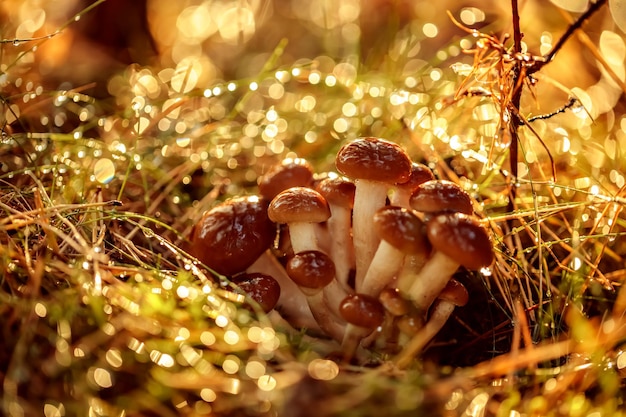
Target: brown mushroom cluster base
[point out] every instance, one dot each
(364, 256)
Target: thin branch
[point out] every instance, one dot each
(570, 103)
(568, 34)
(515, 103)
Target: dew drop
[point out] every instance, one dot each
(104, 171)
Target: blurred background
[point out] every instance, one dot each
(233, 39)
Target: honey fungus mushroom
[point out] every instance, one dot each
(453, 295)
(375, 165)
(401, 192)
(232, 235)
(436, 196)
(402, 235)
(261, 288)
(291, 172)
(364, 314)
(339, 193)
(457, 240)
(300, 208)
(312, 271)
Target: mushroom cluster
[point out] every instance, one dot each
(364, 256)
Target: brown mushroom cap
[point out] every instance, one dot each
(262, 288)
(337, 190)
(298, 205)
(455, 293)
(289, 173)
(362, 310)
(441, 196)
(401, 228)
(311, 269)
(231, 236)
(374, 159)
(420, 173)
(394, 302)
(461, 238)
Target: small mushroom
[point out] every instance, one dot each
(394, 302)
(292, 304)
(291, 172)
(261, 288)
(312, 271)
(436, 196)
(301, 209)
(374, 164)
(457, 239)
(364, 314)
(431, 198)
(396, 308)
(453, 295)
(401, 192)
(401, 233)
(339, 193)
(232, 235)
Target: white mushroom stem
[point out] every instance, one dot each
(431, 280)
(341, 248)
(352, 339)
(386, 263)
(400, 197)
(292, 302)
(369, 196)
(334, 294)
(440, 314)
(303, 236)
(324, 316)
(410, 268)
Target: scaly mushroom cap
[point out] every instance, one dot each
(231, 236)
(461, 238)
(289, 173)
(311, 269)
(374, 159)
(262, 288)
(401, 228)
(298, 205)
(455, 293)
(337, 190)
(420, 173)
(362, 310)
(437, 196)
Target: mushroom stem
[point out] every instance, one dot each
(341, 242)
(400, 198)
(303, 236)
(441, 312)
(352, 339)
(324, 317)
(412, 265)
(334, 294)
(431, 280)
(385, 264)
(369, 196)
